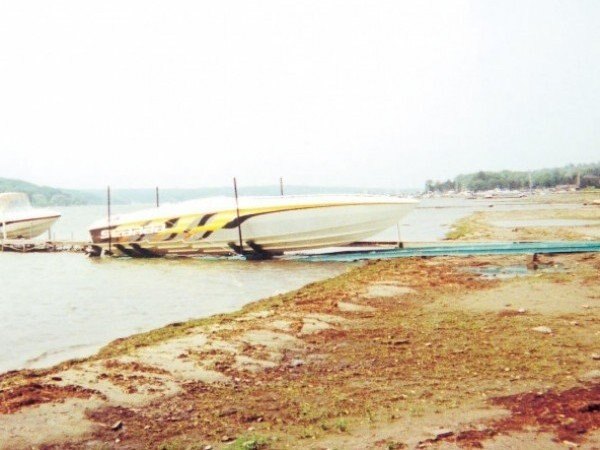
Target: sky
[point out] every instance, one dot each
(331, 93)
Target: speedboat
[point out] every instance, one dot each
(259, 226)
(19, 220)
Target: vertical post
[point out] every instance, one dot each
(157, 198)
(281, 186)
(237, 210)
(3, 234)
(400, 245)
(108, 220)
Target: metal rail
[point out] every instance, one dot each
(349, 254)
(496, 248)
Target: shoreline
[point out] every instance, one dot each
(367, 350)
(437, 352)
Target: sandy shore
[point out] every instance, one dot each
(571, 216)
(413, 353)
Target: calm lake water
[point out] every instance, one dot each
(57, 306)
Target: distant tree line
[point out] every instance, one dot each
(45, 196)
(49, 196)
(587, 175)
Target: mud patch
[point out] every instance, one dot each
(570, 416)
(378, 290)
(272, 340)
(541, 296)
(504, 272)
(353, 307)
(12, 400)
(46, 424)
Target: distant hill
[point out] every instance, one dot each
(170, 195)
(589, 175)
(48, 196)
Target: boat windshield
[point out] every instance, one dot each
(14, 201)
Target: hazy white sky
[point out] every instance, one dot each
(363, 93)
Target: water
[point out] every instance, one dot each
(500, 272)
(433, 217)
(514, 271)
(57, 306)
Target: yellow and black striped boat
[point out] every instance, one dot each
(261, 226)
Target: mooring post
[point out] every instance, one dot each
(157, 198)
(400, 245)
(237, 210)
(108, 220)
(281, 186)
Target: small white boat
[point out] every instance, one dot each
(19, 220)
(260, 226)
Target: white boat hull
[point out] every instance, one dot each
(18, 220)
(26, 228)
(283, 224)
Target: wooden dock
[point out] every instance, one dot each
(354, 252)
(37, 246)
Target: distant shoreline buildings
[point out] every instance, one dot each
(569, 177)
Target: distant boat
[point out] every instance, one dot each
(264, 226)
(19, 220)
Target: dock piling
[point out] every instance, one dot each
(237, 210)
(108, 220)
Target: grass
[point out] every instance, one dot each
(467, 228)
(583, 196)
(249, 442)
(180, 444)
(478, 225)
(245, 442)
(341, 425)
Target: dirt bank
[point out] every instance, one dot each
(554, 217)
(393, 354)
